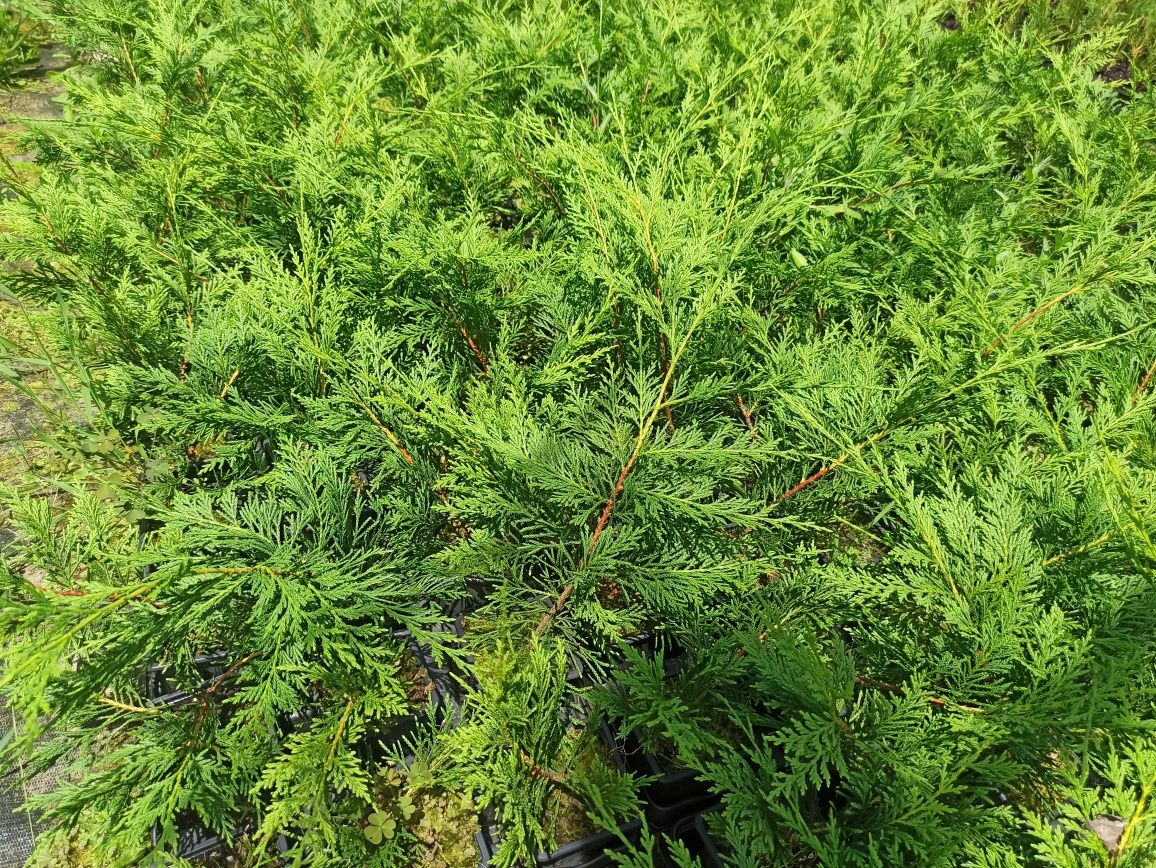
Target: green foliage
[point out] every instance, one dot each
(956, 723)
(519, 751)
(598, 319)
(20, 39)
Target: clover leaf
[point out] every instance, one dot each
(379, 827)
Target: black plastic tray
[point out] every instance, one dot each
(588, 852)
(196, 841)
(161, 689)
(694, 834)
(678, 792)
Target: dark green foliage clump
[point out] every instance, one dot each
(813, 337)
(20, 38)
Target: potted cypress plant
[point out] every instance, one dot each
(674, 791)
(547, 787)
(433, 693)
(589, 318)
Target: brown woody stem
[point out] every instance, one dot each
(814, 477)
(746, 415)
(1143, 383)
(1031, 316)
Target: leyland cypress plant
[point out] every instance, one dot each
(814, 339)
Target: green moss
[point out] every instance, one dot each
(438, 826)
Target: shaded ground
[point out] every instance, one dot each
(34, 97)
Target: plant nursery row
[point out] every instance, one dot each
(586, 433)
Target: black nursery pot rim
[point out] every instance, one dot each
(195, 840)
(693, 829)
(157, 676)
(586, 852)
(603, 840)
(677, 792)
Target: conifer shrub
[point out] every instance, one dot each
(814, 339)
(19, 41)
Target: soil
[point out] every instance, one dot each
(241, 854)
(418, 686)
(568, 820)
(566, 817)
(1119, 72)
(666, 752)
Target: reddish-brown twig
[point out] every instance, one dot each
(201, 82)
(746, 415)
(609, 507)
(559, 208)
(814, 477)
(553, 609)
(558, 780)
(204, 701)
(244, 661)
(834, 465)
(1143, 383)
(1043, 308)
(389, 434)
(341, 127)
(474, 347)
(643, 435)
(868, 681)
(539, 772)
(599, 529)
(464, 271)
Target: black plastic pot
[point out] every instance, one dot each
(693, 833)
(196, 841)
(588, 852)
(145, 528)
(648, 644)
(161, 689)
(193, 839)
(677, 793)
(478, 592)
(444, 697)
